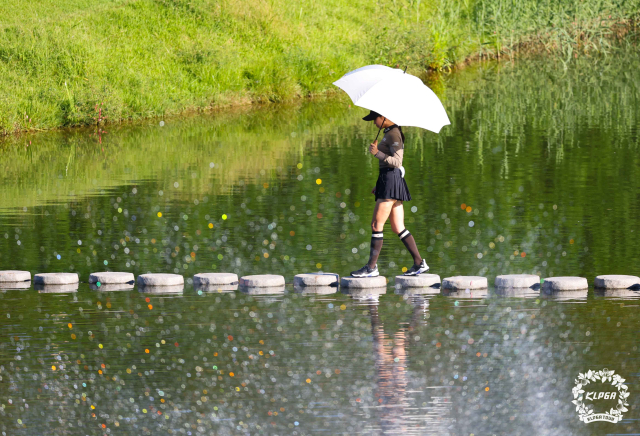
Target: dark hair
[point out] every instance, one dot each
(401, 134)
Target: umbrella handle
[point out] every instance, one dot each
(385, 119)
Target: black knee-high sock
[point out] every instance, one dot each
(410, 243)
(376, 246)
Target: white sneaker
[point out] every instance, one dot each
(365, 271)
(418, 269)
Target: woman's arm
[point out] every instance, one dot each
(396, 147)
(394, 161)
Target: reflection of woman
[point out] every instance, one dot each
(390, 191)
(391, 368)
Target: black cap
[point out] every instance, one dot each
(372, 116)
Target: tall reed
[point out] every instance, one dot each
(134, 59)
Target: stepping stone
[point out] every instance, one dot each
(111, 287)
(617, 282)
(465, 282)
(163, 289)
(466, 293)
(262, 281)
(55, 278)
(208, 279)
(56, 289)
(419, 281)
(363, 282)
(518, 281)
(160, 280)
(111, 277)
(262, 290)
(555, 284)
(315, 290)
(316, 279)
(14, 276)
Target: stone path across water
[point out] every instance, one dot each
(55, 278)
(465, 282)
(14, 276)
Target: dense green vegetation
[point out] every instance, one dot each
(75, 62)
(525, 136)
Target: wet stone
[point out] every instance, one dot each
(212, 279)
(363, 282)
(465, 282)
(555, 284)
(109, 277)
(617, 282)
(262, 281)
(55, 278)
(419, 281)
(518, 281)
(14, 276)
(316, 279)
(160, 280)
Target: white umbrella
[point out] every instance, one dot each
(400, 97)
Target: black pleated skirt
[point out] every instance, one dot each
(391, 185)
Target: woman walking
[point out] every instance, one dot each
(390, 192)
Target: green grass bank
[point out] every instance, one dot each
(79, 62)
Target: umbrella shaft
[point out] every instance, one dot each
(385, 119)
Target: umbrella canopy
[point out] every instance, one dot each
(400, 97)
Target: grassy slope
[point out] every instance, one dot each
(61, 61)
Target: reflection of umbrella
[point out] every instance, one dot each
(398, 96)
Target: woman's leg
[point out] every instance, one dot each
(380, 215)
(397, 225)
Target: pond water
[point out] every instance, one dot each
(536, 174)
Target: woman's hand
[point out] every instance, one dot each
(373, 148)
(373, 191)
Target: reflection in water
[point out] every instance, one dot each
(397, 411)
(111, 287)
(268, 290)
(53, 289)
(317, 290)
(517, 292)
(466, 293)
(565, 295)
(283, 190)
(216, 288)
(15, 285)
(626, 294)
(159, 290)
